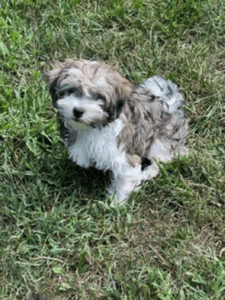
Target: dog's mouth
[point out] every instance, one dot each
(78, 124)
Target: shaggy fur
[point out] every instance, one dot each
(111, 124)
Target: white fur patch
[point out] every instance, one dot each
(99, 147)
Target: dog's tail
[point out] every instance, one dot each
(167, 91)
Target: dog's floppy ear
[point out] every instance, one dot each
(122, 90)
(116, 104)
(52, 77)
(54, 73)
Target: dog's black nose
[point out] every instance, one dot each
(78, 112)
(145, 162)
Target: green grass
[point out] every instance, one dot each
(59, 237)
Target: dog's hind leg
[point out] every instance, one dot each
(122, 185)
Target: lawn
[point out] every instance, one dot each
(59, 236)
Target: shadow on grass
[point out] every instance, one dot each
(65, 177)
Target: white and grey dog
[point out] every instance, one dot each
(111, 124)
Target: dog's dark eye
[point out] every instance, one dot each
(99, 97)
(76, 91)
(72, 91)
(61, 94)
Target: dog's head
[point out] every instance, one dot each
(88, 92)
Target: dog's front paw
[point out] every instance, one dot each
(122, 187)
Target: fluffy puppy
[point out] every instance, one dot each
(112, 124)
